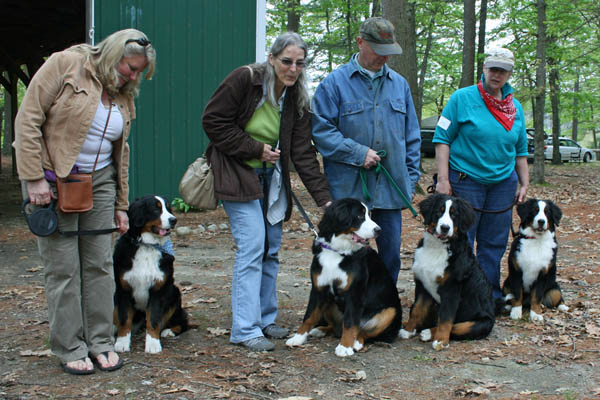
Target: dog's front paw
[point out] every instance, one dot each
(404, 334)
(296, 340)
(535, 317)
(152, 345)
(343, 351)
(439, 346)
(316, 332)
(516, 312)
(123, 343)
(357, 346)
(425, 335)
(167, 333)
(563, 308)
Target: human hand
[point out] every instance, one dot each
(39, 192)
(443, 186)
(122, 220)
(371, 159)
(270, 155)
(522, 194)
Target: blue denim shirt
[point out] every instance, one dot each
(352, 113)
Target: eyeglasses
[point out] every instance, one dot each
(288, 63)
(141, 41)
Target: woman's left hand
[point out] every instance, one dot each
(122, 221)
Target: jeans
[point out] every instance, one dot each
(253, 287)
(389, 239)
(490, 230)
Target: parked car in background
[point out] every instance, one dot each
(427, 146)
(530, 144)
(569, 149)
(427, 130)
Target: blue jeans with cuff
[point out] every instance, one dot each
(253, 287)
(490, 230)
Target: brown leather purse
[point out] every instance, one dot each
(75, 192)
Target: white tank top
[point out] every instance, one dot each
(87, 156)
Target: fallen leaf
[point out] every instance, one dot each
(217, 331)
(33, 353)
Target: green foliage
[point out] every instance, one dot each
(330, 28)
(180, 206)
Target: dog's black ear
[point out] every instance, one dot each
(466, 214)
(426, 207)
(524, 208)
(337, 218)
(555, 211)
(137, 211)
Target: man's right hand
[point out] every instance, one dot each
(39, 192)
(371, 159)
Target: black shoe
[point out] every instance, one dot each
(500, 306)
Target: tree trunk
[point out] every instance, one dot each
(293, 14)
(468, 59)
(376, 9)
(593, 125)
(576, 107)
(423, 69)
(481, 39)
(540, 93)
(349, 38)
(328, 30)
(401, 13)
(553, 81)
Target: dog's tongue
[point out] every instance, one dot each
(162, 232)
(358, 239)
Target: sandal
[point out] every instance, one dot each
(115, 367)
(75, 371)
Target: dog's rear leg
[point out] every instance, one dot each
(553, 299)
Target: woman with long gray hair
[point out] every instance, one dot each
(75, 118)
(258, 121)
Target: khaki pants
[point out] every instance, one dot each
(79, 277)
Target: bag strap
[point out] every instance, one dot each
(101, 140)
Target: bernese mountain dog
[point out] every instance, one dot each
(531, 279)
(352, 294)
(453, 298)
(145, 289)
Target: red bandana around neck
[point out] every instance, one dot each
(503, 110)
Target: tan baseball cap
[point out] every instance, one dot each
(499, 57)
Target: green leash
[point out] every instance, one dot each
(378, 169)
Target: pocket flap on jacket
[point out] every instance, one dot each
(352, 108)
(398, 105)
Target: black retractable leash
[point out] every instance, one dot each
(44, 222)
(301, 209)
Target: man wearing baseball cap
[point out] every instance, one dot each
(363, 115)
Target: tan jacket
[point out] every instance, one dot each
(60, 103)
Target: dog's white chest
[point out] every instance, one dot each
(144, 274)
(331, 275)
(430, 263)
(535, 255)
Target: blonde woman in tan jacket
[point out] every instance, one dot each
(59, 130)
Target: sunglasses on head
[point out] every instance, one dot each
(288, 63)
(141, 41)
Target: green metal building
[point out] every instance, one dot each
(198, 42)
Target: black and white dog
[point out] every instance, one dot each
(145, 289)
(453, 298)
(531, 279)
(351, 288)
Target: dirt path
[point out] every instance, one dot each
(554, 360)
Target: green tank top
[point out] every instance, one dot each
(264, 127)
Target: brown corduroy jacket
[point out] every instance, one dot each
(225, 116)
